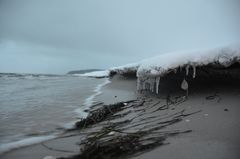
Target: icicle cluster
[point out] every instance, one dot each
(150, 80)
(148, 83)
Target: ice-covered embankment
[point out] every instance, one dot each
(184, 67)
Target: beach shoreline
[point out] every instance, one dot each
(39, 151)
(36, 110)
(213, 126)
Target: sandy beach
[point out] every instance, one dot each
(205, 125)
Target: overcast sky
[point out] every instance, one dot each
(55, 36)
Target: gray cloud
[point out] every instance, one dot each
(55, 36)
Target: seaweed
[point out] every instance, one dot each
(100, 114)
(123, 138)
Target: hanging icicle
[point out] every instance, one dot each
(157, 84)
(194, 71)
(187, 70)
(144, 84)
(152, 83)
(138, 84)
(180, 68)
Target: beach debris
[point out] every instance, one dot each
(187, 120)
(211, 97)
(225, 109)
(111, 135)
(205, 114)
(214, 96)
(100, 114)
(86, 110)
(123, 145)
(55, 149)
(96, 104)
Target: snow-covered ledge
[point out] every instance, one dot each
(150, 71)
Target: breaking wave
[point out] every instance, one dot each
(16, 76)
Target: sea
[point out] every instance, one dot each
(36, 107)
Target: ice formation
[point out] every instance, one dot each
(149, 71)
(194, 71)
(184, 85)
(187, 70)
(157, 83)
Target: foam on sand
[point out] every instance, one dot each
(90, 100)
(25, 142)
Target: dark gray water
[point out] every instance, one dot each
(42, 105)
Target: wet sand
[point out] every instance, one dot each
(214, 124)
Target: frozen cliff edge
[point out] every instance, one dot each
(150, 71)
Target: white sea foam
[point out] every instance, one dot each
(25, 142)
(27, 77)
(90, 100)
(97, 91)
(68, 125)
(99, 74)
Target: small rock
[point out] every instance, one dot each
(225, 109)
(187, 120)
(205, 114)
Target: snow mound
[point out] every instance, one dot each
(149, 71)
(96, 74)
(125, 69)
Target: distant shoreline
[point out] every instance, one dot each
(83, 71)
